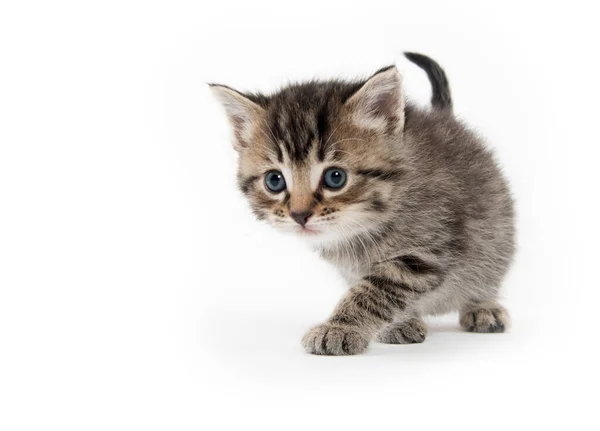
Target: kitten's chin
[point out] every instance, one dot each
(318, 238)
(313, 235)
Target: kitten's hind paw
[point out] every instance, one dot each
(327, 339)
(411, 331)
(484, 318)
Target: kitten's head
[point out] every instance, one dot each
(320, 159)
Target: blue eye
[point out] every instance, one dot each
(274, 181)
(334, 178)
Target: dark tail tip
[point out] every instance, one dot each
(440, 97)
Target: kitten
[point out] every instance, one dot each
(406, 203)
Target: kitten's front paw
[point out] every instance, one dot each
(408, 332)
(488, 318)
(327, 339)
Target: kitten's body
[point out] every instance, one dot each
(452, 210)
(424, 224)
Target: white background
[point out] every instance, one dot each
(137, 291)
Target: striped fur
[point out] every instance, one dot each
(424, 223)
(440, 94)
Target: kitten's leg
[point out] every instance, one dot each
(373, 303)
(484, 317)
(409, 331)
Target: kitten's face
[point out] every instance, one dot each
(320, 160)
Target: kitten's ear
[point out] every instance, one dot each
(242, 112)
(379, 104)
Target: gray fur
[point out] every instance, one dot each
(435, 231)
(440, 92)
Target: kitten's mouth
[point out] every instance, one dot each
(307, 230)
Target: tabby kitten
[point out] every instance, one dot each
(406, 203)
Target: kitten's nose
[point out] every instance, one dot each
(301, 217)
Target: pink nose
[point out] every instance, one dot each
(301, 217)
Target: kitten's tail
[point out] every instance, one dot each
(440, 97)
